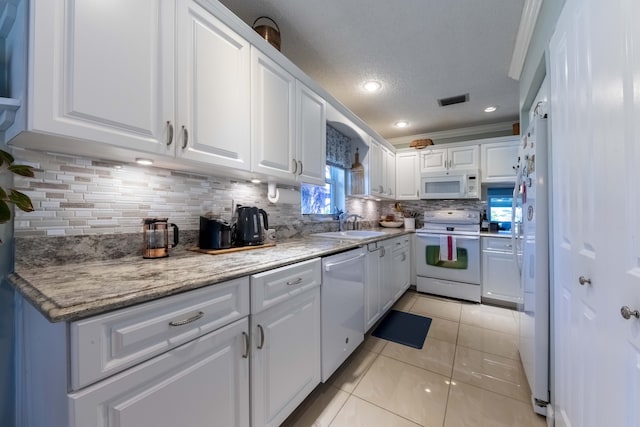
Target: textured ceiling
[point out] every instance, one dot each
(420, 50)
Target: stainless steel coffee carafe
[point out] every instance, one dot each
(155, 237)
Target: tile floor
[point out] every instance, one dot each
(468, 374)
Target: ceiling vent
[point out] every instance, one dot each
(458, 99)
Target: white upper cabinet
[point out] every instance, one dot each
(273, 117)
(382, 170)
(311, 135)
(100, 74)
(213, 90)
(288, 124)
(498, 159)
(407, 175)
(448, 159)
(390, 174)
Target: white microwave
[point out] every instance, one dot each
(462, 184)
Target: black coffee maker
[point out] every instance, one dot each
(248, 227)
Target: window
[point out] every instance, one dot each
(499, 205)
(324, 199)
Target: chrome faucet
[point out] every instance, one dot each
(355, 223)
(342, 217)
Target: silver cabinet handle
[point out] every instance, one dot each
(300, 164)
(295, 166)
(626, 312)
(417, 193)
(583, 280)
(185, 137)
(169, 133)
(404, 257)
(261, 337)
(295, 282)
(187, 320)
(245, 341)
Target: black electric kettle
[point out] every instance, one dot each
(248, 227)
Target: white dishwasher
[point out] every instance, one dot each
(342, 308)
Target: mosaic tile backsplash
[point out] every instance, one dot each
(78, 196)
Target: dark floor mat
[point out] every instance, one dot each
(403, 328)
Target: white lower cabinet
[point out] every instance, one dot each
(386, 276)
(285, 352)
(500, 273)
(204, 382)
(400, 260)
(179, 360)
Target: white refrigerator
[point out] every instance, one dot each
(531, 192)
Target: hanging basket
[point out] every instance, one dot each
(267, 32)
(419, 144)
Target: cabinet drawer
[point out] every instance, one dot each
(109, 343)
(400, 242)
(274, 286)
(502, 244)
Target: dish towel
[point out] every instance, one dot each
(448, 249)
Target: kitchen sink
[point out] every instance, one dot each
(350, 234)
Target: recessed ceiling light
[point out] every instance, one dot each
(490, 109)
(401, 124)
(255, 180)
(372, 86)
(145, 162)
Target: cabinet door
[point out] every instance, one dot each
(372, 307)
(99, 73)
(433, 160)
(285, 358)
(464, 157)
(376, 184)
(500, 277)
(387, 291)
(407, 176)
(400, 263)
(311, 135)
(272, 120)
(213, 81)
(390, 175)
(202, 383)
(498, 159)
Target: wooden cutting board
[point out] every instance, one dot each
(230, 250)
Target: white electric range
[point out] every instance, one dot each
(448, 254)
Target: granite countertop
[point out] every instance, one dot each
(75, 291)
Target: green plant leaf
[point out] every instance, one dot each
(3, 195)
(21, 200)
(22, 170)
(5, 157)
(5, 212)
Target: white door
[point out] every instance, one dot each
(594, 86)
(202, 383)
(433, 160)
(213, 81)
(285, 357)
(464, 157)
(498, 159)
(91, 82)
(372, 283)
(311, 135)
(616, 92)
(390, 175)
(407, 176)
(375, 158)
(272, 118)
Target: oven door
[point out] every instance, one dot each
(465, 269)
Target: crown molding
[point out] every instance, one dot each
(455, 133)
(523, 39)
